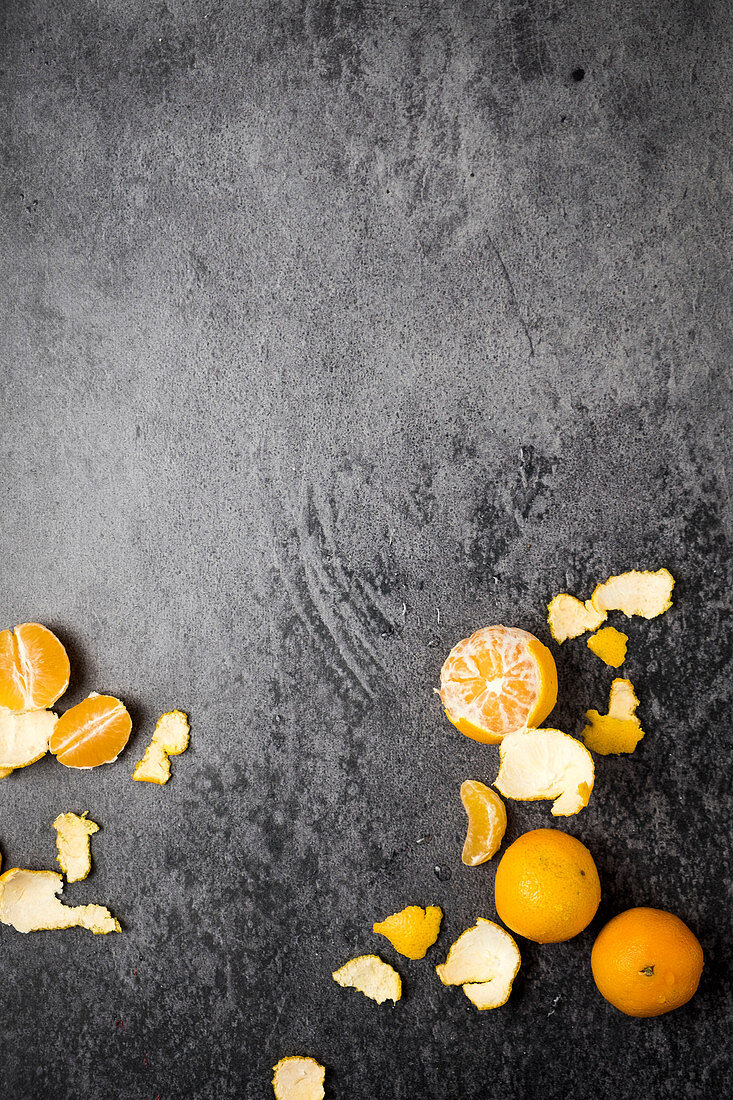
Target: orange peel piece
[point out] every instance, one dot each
(610, 645)
(499, 679)
(298, 1078)
(411, 931)
(568, 617)
(371, 976)
(486, 822)
(5, 772)
(24, 736)
(635, 593)
(29, 902)
(73, 843)
(485, 961)
(170, 738)
(34, 667)
(546, 763)
(619, 730)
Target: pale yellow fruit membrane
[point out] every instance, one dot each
(635, 593)
(619, 730)
(568, 617)
(73, 835)
(484, 960)
(371, 976)
(24, 736)
(610, 645)
(298, 1079)
(29, 903)
(170, 738)
(411, 931)
(546, 764)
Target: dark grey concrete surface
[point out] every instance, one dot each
(332, 331)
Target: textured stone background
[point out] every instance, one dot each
(331, 332)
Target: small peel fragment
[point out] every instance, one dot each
(619, 730)
(485, 961)
(371, 976)
(610, 645)
(5, 772)
(411, 931)
(298, 1078)
(546, 763)
(568, 617)
(24, 736)
(29, 903)
(170, 738)
(73, 835)
(635, 593)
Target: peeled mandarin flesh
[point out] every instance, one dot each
(34, 668)
(93, 732)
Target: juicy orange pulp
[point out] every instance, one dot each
(497, 681)
(93, 732)
(486, 822)
(34, 668)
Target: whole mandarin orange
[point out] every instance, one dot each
(547, 887)
(646, 962)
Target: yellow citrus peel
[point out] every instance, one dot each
(546, 763)
(619, 730)
(569, 617)
(29, 903)
(635, 593)
(170, 738)
(486, 822)
(24, 736)
(484, 960)
(411, 931)
(610, 645)
(73, 835)
(298, 1079)
(371, 976)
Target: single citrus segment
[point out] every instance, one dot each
(411, 931)
(619, 730)
(298, 1079)
(484, 960)
(34, 668)
(635, 593)
(371, 976)
(646, 962)
(546, 763)
(547, 887)
(610, 645)
(170, 738)
(24, 736)
(93, 732)
(568, 617)
(486, 822)
(73, 835)
(29, 903)
(496, 681)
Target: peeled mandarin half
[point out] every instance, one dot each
(486, 822)
(546, 763)
(91, 733)
(298, 1079)
(498, 680)
(34, 668)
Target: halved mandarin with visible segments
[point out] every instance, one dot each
(34, 668)
(498, 680)
(93, 732)
(486, 822)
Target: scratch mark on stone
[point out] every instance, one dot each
(513, 296)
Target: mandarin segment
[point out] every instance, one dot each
(610, 645)
(298, 1078)
(411, 931)
(619, 730)
(485, 961)
(635, 593)
(568, 617)
(547, 887)
(93, 732)
(371, 976)
(29, 903)
(546, 764)
(646, 962)
(486, 822)
(34, 668)
(496, 681)
(24, 736)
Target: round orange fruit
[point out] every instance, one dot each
(497, 681)
(547, 887)
(646, 962)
